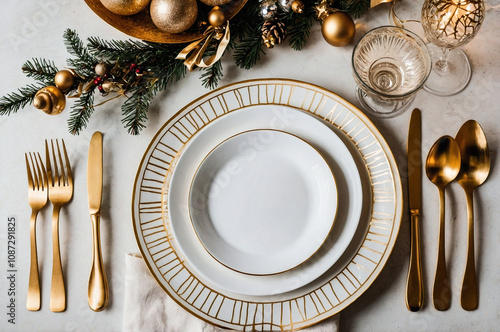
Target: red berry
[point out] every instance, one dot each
(101, 89)
(138, 70)
(132, 66)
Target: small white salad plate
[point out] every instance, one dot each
(263, 201)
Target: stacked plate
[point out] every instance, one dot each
(267, 205)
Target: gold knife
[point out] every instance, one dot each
(415, 283)
(98, 292)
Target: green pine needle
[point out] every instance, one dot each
(14, 101)
(41, 70)
(211, 76)
(135, 108)
(81, 111)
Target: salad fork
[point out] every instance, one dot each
(37, 198)
(60, 193)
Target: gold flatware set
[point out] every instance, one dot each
(464, 159)
(54, 182)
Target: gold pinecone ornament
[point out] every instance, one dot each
(273, 32)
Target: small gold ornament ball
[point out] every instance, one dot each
(51, 100)
(298, 7)
(174, 16)
(101, 68)
(125, 7)
(216, 17)
(64, 79)
(338, 29)
(215, 2)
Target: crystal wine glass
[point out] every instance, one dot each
(449, 24)
(390, 65)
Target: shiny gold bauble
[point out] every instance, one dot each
(174, 16)
(51, 100)
(215, 2)
(338, 29)
(125, 7)
(64, 79)
(216, 17)
(298, 7)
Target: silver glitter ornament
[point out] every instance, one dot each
(285, 5)
(268, 9)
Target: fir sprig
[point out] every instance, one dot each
(83, 62)
(81, 111)
(211, 76)
(40, 70)
(14, 101)
(135, 109)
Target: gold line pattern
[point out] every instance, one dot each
(158, 245)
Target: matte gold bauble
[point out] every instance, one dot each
(215, 2)
(338, 29)
(174, 16)
(51, 100)
(102, 68)
(64, 79)
(216, 17)
(125, 7)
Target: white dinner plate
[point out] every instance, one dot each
(327, 295)
(263, 201)
(316, 133)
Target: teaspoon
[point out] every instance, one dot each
(442, 167)
(474, 170)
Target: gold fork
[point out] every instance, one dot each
(60, 192)
(37, 198)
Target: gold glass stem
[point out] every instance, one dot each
(415, 283)
(33, 302)
(57, 290)
(469, 298)
(442, 292)
(98, 292)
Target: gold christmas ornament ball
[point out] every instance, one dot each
(338, 29)
(298, 7)
(215, 2)
(64, 79)
(174, 16)
(51, 100)
(125, 7)
(216, 17)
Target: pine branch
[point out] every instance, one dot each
(169, 73)
(355, 8)
(41, 70)
(300, 30)
(135, 108)
(212, 75)
(247, 51)
(14, 101)
(81, 112)
(84, 62)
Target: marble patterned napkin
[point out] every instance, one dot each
(148, 308)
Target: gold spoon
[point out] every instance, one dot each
(442, 167)
(474, 170)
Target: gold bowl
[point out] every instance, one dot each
(141, 26)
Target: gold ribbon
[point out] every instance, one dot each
(196, 49)
(392, 13)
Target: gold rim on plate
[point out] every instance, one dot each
(141, 25)
(326, 235)
(297, 309)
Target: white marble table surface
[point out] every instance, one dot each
(34, 29)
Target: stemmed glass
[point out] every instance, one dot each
(449, 24)
(390, 65)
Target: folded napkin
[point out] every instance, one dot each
(148, 308)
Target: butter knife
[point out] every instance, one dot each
(414, 283)
(98, 292)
